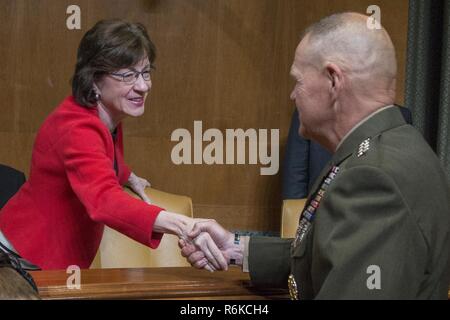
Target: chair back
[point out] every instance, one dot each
(289, 216)
(118, 251)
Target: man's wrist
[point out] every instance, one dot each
(244, 245)
(237, 256)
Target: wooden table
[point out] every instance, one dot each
(153, 283)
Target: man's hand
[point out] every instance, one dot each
(201, 235)
(181, 226)
(138, 185)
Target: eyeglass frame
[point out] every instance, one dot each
(135, 73)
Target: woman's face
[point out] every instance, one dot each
(121, 98)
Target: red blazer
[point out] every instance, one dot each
(57, 217)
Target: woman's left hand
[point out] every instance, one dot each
(138, 185)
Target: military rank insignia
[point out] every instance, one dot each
(308, 214)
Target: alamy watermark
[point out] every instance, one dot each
(73, 22)
(221, 147)
(74, 280)
(374, 21)
(374, 280)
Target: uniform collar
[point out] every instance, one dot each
(381, 120)
(360, 123)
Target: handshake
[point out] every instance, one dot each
(208, 245)
(203, 242)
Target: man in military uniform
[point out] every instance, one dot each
(377, 222)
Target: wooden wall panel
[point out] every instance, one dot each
(224, 62)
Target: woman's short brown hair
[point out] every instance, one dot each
(109, 46)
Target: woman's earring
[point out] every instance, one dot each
(97, 96)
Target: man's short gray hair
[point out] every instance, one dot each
(346, 40)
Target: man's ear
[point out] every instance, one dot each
(335, 75)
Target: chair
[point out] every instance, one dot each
(118, 251)
(10, 182)
(289, 217)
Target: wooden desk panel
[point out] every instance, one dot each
(153, 283)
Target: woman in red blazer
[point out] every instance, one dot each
(77, 169)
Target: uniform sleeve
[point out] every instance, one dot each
(91, 175)
(269, 261)
(366, 243)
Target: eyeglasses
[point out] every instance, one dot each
(131, 77)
